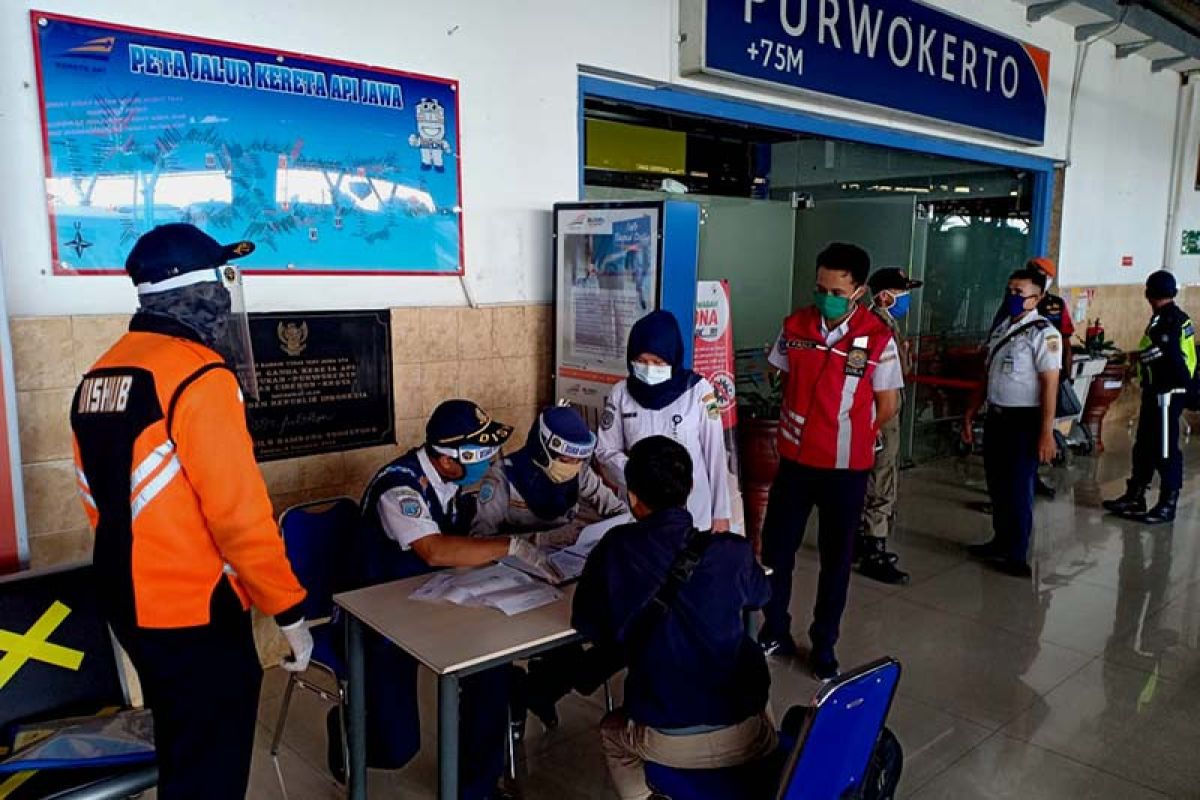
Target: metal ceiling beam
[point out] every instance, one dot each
(1085, 32)
(1129, 48)
(1148, 24)
(1159, 64)
(1039, 10)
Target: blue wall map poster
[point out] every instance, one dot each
(897, 54)
(328, 167)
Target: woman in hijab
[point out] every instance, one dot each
(661, 397)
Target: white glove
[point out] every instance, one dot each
(529, 554)
(301, 642)
(563, 536)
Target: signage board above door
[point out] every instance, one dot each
(901, 55)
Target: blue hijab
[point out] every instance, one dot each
(658, 333)
(546, 499)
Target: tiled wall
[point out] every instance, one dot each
(498, 356)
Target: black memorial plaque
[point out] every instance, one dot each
(324, 382)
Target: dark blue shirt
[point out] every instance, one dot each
(697, 666)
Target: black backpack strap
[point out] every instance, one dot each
(680, 572)
(1038, 324)
(183, 385)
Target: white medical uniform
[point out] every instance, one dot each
(693, 420)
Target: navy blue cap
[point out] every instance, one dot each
(565, 433)
(177, 248)
(1161, 285)
(455, 423)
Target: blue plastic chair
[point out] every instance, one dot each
(317, 539)
(834, 739)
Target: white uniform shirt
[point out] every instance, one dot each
(500, 508)
(1013, 366)
(405, 514)
(693, 420)
(888, 375)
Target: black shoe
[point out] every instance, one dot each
(988, 551)
(333, 750)
(1132, 503)
(1164, 509)
(1043, 489)
(881, 566)
(1013, 567)
(782, 646)
(823, 663)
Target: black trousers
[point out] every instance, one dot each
(1010, 462)
(839, 496)
(1147, 449)
(201, 685)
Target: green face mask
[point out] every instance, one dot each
(831, 306)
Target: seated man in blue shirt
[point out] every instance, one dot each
(696, 692)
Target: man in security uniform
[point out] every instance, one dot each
(1023, 363)
(1166, 364)
(410, 527)
(890, 299)
(842, 382)
(185, 536)
(542, 486)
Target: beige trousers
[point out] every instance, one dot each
(879, 513)
(628, 745)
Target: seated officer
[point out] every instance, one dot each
(542, 485)
(671, 599)
(409, 516)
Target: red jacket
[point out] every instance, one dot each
(828, 417)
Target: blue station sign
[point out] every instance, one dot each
(901, 55)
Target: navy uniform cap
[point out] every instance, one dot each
(892, 279)
(455, 423)
(1161, 285)
(177, 248)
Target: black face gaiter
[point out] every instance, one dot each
(203, 307)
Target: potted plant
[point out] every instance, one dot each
(760, 398)
(1106, 387)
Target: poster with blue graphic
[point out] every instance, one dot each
(329, 167)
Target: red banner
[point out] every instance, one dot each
(714, 345)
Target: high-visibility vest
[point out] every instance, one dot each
(828, 415)
(165, 468)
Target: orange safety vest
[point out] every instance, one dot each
(165, 467)
(828, 416)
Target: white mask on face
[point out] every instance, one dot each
(651, 374)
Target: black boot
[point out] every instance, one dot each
(1043, 489)
(1131, 503)
(876, 563)
(1164, 509)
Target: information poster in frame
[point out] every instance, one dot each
(613, 264)
(329, 167)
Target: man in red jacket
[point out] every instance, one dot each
(842, 381)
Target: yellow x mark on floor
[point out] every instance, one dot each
(20, 648)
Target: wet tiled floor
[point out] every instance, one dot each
(1083, 682)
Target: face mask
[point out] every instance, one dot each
(899, 308)
(562, 471)
(1015, 305)
(650, 374)
(472, 473)
(831, 306)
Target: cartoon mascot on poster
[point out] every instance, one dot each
(430, 137)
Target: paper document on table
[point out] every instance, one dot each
(568, 563)
(498, 586)
(590, 536)
(522, 598)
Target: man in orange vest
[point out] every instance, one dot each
(186, 540)
(842, 381)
